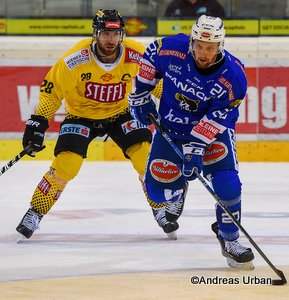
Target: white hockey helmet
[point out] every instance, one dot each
(208, 29)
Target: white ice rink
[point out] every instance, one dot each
(102, 225)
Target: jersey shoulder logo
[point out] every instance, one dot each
(169, 52)
(132, 56)
(80, 57)
(229, 87)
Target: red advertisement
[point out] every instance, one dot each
(265, 109)
(264, 112)
(20, 88)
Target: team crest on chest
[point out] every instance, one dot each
(187, 103)
(107, 77)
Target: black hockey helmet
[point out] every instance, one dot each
(107, 19)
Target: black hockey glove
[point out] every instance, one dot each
(34, 134)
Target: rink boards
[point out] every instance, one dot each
(263, 126)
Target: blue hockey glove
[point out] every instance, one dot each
(34, 134)
(193, 159)
(141, 105)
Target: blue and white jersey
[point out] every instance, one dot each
(193, 104)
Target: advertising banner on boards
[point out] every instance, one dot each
(264, 112)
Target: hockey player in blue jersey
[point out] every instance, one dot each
(203, 86)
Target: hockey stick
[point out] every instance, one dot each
(282, 279)
(14, 160)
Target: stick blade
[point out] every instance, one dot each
(278, 282)
(281, 281)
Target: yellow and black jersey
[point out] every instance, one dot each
(91, 89)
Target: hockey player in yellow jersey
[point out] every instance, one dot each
(94, 79)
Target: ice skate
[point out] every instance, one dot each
(29, 223)
(238, 256)
(169, 228)
(175, 208)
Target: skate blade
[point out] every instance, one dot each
(241, 266)
(20, 238)
(172, 235)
